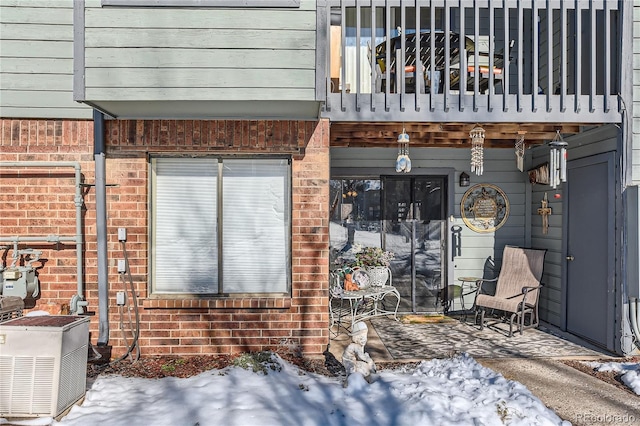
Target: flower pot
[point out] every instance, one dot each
(379, 275)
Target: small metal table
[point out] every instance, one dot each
(472, 286)
(360, 305)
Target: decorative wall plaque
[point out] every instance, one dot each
(484, 208)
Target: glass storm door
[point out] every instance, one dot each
(413, 227)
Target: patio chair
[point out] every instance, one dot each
(517, 289)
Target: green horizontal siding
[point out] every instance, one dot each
(81, 112)
(39, 4)
(35, 49)
(172, 58)
(36, 15)
(195, 39)
(240, 19)
(37, 65)
(37, 32)
(40, 82)
(202, 94)
(197, 78)
(223, 54)
(36, 60)
(41, 104)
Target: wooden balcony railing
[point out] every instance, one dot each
(472, 59)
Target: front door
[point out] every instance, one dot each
(590, 190)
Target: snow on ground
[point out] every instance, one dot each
(454, 391)
(630, 372)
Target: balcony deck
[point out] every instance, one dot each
(557, 69)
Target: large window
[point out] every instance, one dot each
(220, 226)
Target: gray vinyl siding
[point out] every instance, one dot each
(500, 170)
(592, 142)
(635, 153)
(182, 54)
(36, 60)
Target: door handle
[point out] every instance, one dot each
(570, 258)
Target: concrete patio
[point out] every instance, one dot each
(533, 359)
(391, 340)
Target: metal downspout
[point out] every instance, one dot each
(101, 227)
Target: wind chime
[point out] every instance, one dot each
(520, 150)
(477, 145)
(557, 161)
(403, 162)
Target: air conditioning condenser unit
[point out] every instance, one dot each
(43, 364)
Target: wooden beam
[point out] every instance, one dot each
(451, 135)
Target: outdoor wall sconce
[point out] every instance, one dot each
(464, 179)
(477, 145)
(403, 162)
(557, 160)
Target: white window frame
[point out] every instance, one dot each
(170, 272)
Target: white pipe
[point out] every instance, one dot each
(77, 302)
(633, 302)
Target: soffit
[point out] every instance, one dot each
(444, 135)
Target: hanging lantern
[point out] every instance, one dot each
(557, 160)
(403, 162)
(464, 179)
(477, 145)
(519, 148)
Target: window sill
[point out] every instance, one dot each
(226, 303)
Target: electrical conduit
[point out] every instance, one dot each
(633, 302)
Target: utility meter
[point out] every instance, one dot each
(21, 280)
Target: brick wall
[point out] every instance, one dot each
(39, 201)
(42, 201)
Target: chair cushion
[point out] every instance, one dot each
(503, 304)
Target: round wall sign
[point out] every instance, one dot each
(484, 208)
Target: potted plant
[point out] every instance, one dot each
(375, 261)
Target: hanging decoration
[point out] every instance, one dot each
(403, 162)
(477, 145)
(545, 211)
(520, 150)
(557, 160)
(350, 190)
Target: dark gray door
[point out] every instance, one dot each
(590, 193)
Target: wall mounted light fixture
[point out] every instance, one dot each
(477, 145)
(464, 179)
